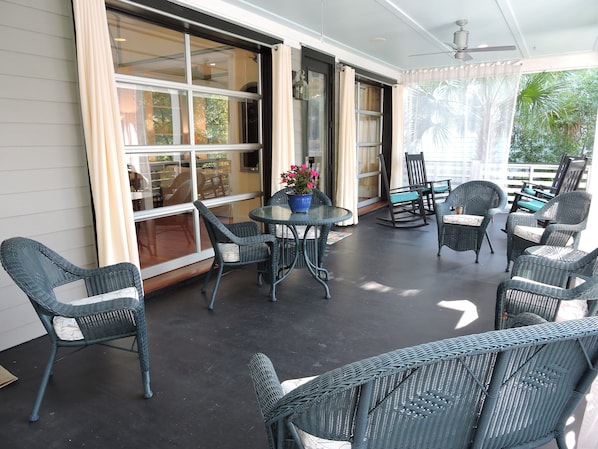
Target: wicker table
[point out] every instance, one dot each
(305, 246)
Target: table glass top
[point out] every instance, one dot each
(316, 215)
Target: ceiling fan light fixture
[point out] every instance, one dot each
(460, 38)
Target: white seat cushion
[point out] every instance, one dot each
(463, 219)
(531, 233)
(230, 252)
(284, 232)
(68, 329)
(310, 441)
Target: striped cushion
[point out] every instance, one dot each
(230, 252)
(284, 232)
(310, 441)
(68, 329)
(531, 233)
(463, 219)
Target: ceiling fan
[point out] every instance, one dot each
(460, 44)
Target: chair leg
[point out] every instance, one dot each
(44, 383)
(489, 243)
(206, 280)
(218, 277)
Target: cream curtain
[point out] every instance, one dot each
(396, 177)
(115, 228)
(462, 118)
(283, 142)
(346, 167)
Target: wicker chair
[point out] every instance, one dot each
(568, 176)
(558, 223)
(544, 286)
(405, 204)
(480, 201)
(113, 308)
(433, 190)
(235, 245)
(283, 234)
(505, 389)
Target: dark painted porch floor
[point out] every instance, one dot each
(386, 288)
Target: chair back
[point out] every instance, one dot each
(477, 197)
(566, 208)
(281, 197)
(21, 257)
(570, 177)
(182, 194)
(416, 169)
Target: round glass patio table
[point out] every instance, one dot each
(301, 241)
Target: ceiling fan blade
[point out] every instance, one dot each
(498, 48)
(436, 53)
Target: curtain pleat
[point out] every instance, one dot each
(115, 228)
(346, 167)
(396, 178)
(283, 142)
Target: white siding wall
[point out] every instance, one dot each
(44, 187)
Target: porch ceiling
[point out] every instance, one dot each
(392, 31)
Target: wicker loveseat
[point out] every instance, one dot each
(500, 389)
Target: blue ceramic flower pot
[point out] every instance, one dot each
(299, 203)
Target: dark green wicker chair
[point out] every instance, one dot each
(558, 223)
(510, 388)
(480, 201)
(235, 245)
(543, 285)
(113, 308)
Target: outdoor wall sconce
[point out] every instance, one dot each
(300, 87)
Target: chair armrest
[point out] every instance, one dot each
(520, 219)
(265, 382)
(98, 308)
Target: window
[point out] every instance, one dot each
(190, 114)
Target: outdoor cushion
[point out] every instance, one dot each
(67, 328)
(405, 196)
(532, 205)
(463, 219)
(531, 233)
(283, 231)
(230, 252)
(310, 441)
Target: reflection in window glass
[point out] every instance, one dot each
(223, 66)
(143, 49)
(150, 116)
(370, 98)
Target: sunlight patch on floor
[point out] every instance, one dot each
(375, 286)
(469, 309)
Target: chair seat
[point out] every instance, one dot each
(533, 205)
(533, 234)
(231, 252)
(284, 232)
(310, 441)
(463, 219)
(405, 196)
(67, 329)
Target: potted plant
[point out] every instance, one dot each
(302, 180)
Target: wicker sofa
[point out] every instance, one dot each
(500, 389)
